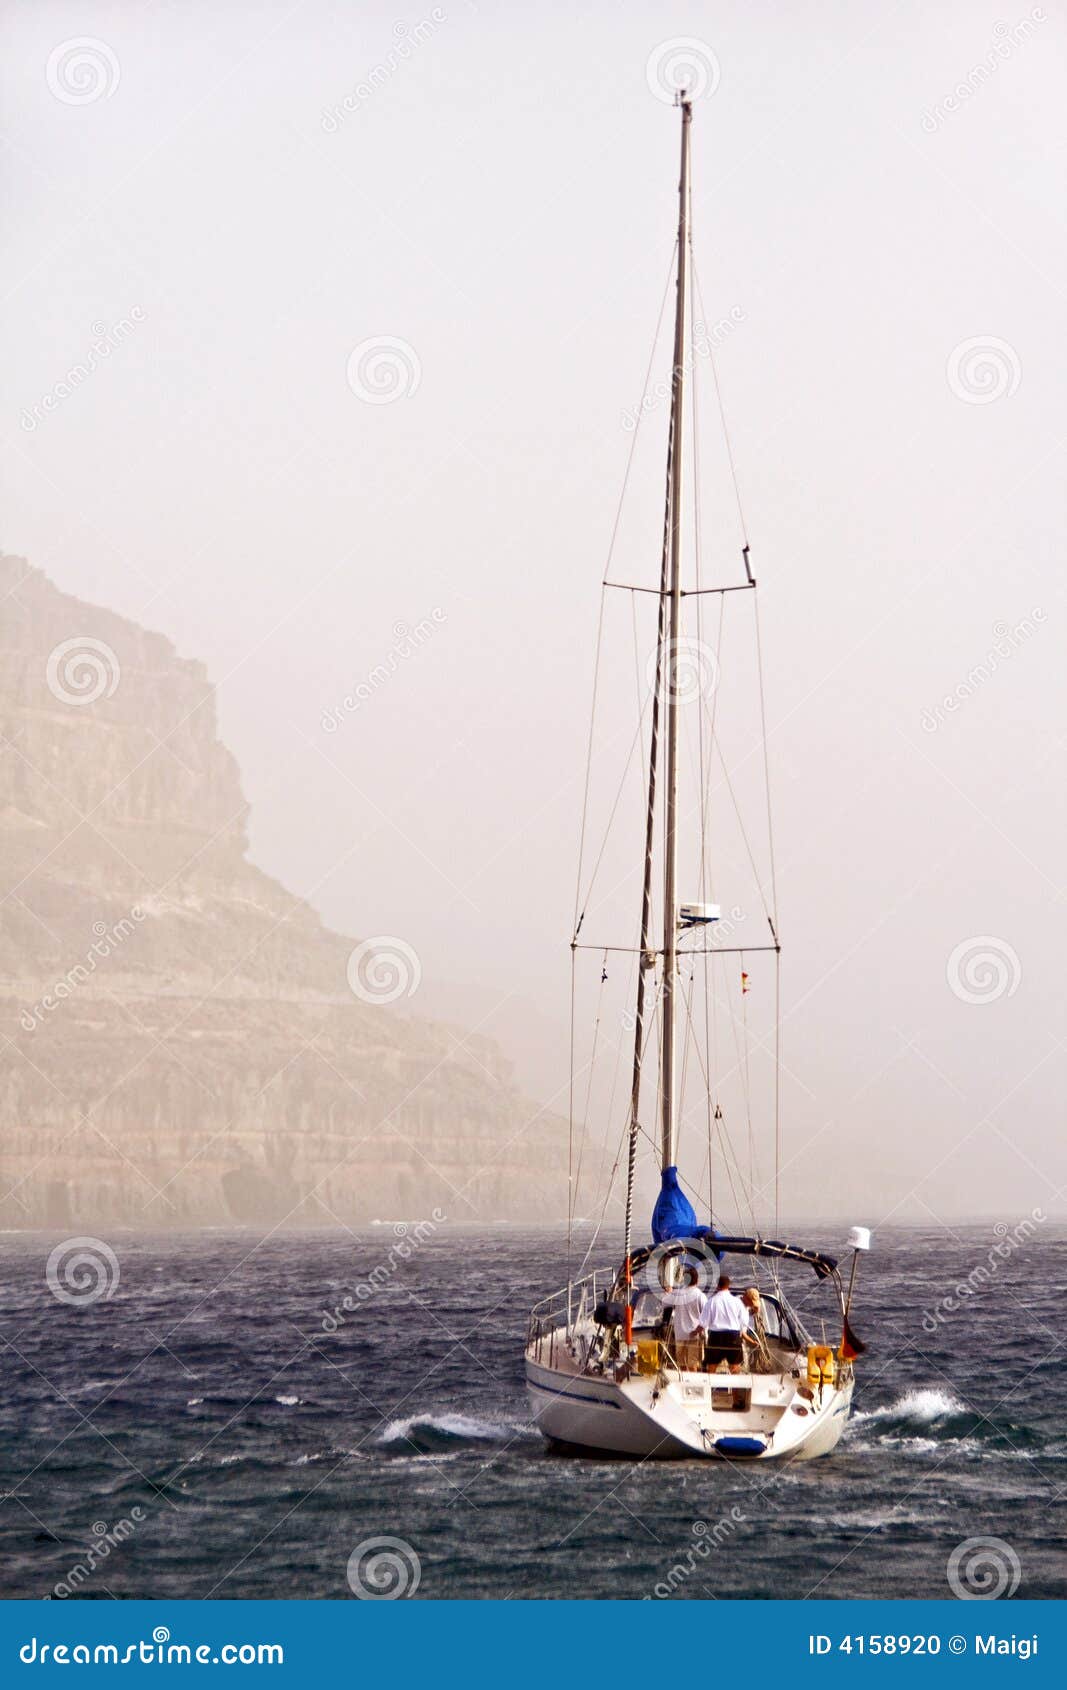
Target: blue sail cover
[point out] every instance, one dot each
(674, 1215)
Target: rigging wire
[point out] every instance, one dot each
(727, 1143)
(623, 1135)
(603, 588)
(637, 739)
(591, 1246)
(682, 1180)
(646, 916)
(591, 1071)
(703, 878)
(722, 413)
(662, 673)
(774, 930)
(766, 769)
(687, 999)
(777, 1089)
(589, 755)
(767, 909)
(610, 1111)
(748, 1084)
(570, 1122)
(772, 915)
(589, 760)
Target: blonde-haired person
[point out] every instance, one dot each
(756, 1335)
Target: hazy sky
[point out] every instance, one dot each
(878, 197)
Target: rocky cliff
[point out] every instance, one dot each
(184, 1042)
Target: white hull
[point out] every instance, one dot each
(676, 1416)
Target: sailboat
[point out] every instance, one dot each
(611, 1365)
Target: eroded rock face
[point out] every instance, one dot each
(181, 1047)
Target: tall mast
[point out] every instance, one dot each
(647, 957)
(668, 670)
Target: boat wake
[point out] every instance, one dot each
(444, 1433)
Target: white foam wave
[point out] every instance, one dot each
(449, 1425)
(872, 1520)
(918, 1407)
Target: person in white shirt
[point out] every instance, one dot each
(686, 1303)
(726, 1320)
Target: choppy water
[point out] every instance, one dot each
(204, 1435)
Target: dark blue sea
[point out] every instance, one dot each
(215, 1427)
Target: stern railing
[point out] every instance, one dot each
(556, 1317)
